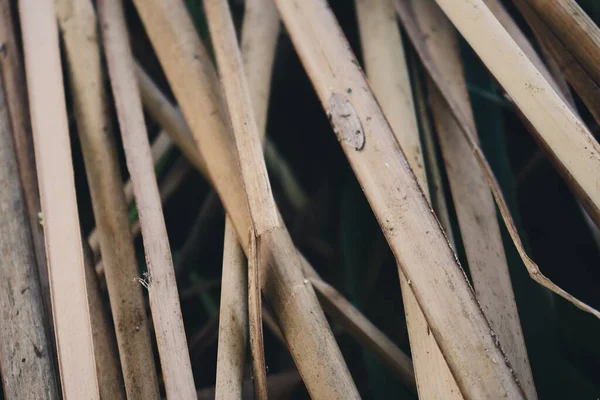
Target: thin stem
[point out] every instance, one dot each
(59, 205)
(161, 285)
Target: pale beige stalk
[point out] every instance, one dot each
(259, 38)
(473, 201)
(162, 288)
(11, 61)
(77, 22)
(409, 225)
(264, 217)
(260, 32)
(25, 348)
(59, 206)
(193, 81)
(233, 319)
(387, 71)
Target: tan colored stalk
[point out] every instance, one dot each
(77, 21)
(264, 217)
(406, 14)
(233, 319)
(575, 29)
(260, 32)
(59, 206)
(160, 147)
(584, 85)
(259, 37)
(25, 348)
(11, 62)
(108, 367)
(193, 81)
(436, 185)
(561, 132)
(473, 201)
(387, 70)
(408, 223)
(160, 282)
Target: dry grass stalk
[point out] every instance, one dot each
(584, 85)
(193, 81)
(473, 201)
(260, 32)
(264, 216)
(162, 288)
(259, 38)
(11, 62)
(457, 109)
(561, 131)
(575, 29)
(25, 348)
(59, 206)
(387, 70)
(108, 367)
(77, 21)
(417, 241)
(233, 319)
